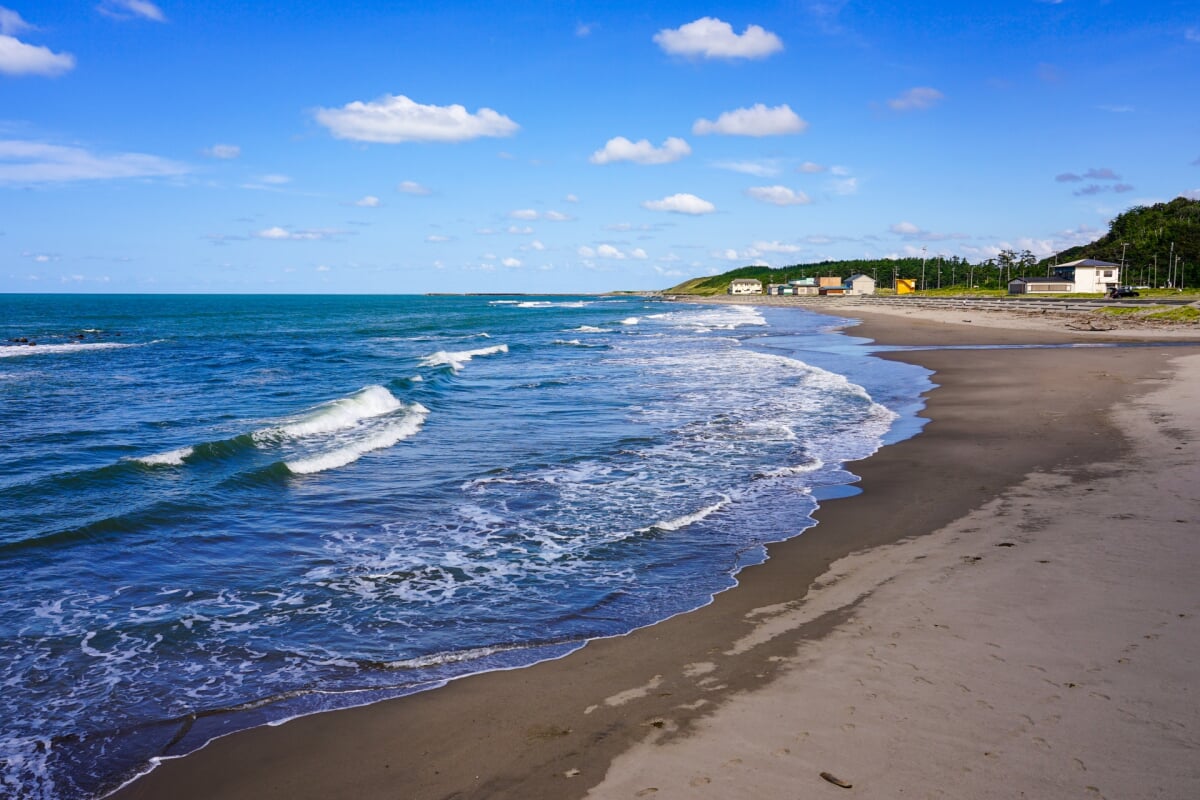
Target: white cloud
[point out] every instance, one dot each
(755, 121)
(436, 238)
(370, 201)
(905, 229)
(608, 251)
(414, 188)
(1192, 34)
(322, 268)
(520, 230)
(529, 214)
(223, 151)
(778, 195)
(131, 9)
(511, 262)
(681, 204)
(641, 152)
(536, 245)
(36, 162)
(776, 247)
(274, 179)
(917, 98)
(571, 198)
(811, 168)
(19, 58)
(759, 169)
(279, 234)
(1194, 194)
(844, 186)
(584, 29)
(710, 37)
(395, 118)
(11, 23)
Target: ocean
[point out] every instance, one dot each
(218, 512)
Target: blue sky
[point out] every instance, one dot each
(571, 146)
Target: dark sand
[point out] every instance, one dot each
(552, 730)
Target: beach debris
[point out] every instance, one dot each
(571, 773)
(836, 781)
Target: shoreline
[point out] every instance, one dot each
(554, 729)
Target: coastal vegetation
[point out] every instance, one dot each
(1158, 246)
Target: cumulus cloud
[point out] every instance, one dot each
(759, 169)
(778, 195)
(36, 162)
(775, 247)
(520, 230)
(20, 58)
(393, 119)
(916, 99)
(682, 203)
(1097, 188)
(223, 151)
(755, 121)
(370, 201)
(641, 152)
(709, 37)
(612, 253)
(436, 238)
(414, 188)
(571, 198)
(131, 9)
(279, 234)
(511, 263)
(905, 229)
(529, 215)
(811, 168)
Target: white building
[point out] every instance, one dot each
(745, 286)
(860, 284)
(1089, 275)
(1040, 286)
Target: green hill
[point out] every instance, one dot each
(1144, 234)
(883, 270)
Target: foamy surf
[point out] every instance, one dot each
(12, 351)
(384, 437)
(336, 415)
(679, 523)
(171, 458)
(456, 361)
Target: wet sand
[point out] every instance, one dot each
(976, 548)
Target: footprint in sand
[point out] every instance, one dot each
(700, 781)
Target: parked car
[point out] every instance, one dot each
(1122, 291)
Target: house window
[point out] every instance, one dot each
(1108, 273)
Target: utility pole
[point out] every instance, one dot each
(1171, 264)
(1124, 245)
(923, 286)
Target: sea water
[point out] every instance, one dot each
(224, 511)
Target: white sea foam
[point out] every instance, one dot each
(12, 351)
(171, 458)
(686, 519)
(340, 414)
(572, 342)
(630, 321)
(378, 439)
(590, 329)
(456, 361)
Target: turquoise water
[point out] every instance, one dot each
(218, 511)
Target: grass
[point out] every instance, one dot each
(1123, 311)
(1178, 314)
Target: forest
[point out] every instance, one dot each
(1157, 246)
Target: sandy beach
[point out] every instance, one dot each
(1008, 609)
